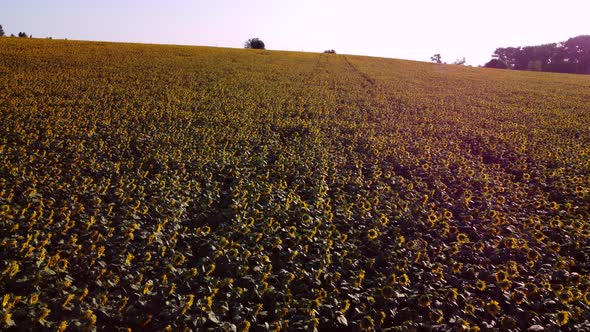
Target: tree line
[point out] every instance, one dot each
(20, 34)
(571, 56)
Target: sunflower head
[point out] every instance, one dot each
(424, 301)
(538, 235)
(448, 214)
(432, 218)
(401, 265)
(404, 279)
(493, 308)
(372, 234)
(554, 247)
(566, 296)
(478, 246)
(480, 285)
(504, 284)
(401, 240)
(501, 276)
(454, 293)
(518, 297)
(462, 238)
(34, 298)
(438, 275)
(562, 317)
(469, 309)
(292, 231)
(510, 243)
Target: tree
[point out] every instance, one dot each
(507, 55)
(436, 58)
(254, 43)
(577, 52)
(1, 31)
(495, 63)
(330, 51)
(545, 54)
(22, 35)
(571, 56)
(460, 62)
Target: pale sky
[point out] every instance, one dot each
(395, 29)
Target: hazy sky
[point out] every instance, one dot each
(412, 29)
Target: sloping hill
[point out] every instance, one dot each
(170, 187)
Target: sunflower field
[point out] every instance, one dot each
(176, 188)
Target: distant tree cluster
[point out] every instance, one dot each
(254, 43)
(571, 56)
(436, 58)
(460, 62)
(330, 51)
(495, 63)
(20, 34)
